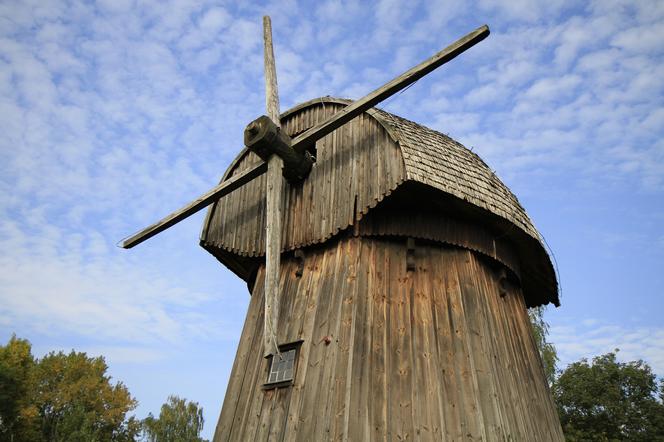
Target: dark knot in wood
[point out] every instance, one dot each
(253, 129)
(503, 284)
(265, 138)
(410, 255)
(299, 257)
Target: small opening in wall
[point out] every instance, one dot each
(312, 148)
(313, 151)
(282, 366)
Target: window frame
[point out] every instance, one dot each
(283, 348)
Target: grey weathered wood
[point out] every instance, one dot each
(306, 204)
(274, 196)
(199, 203)
(406, 152)
(432, 354)
(404, 80)
(272, 252)
(250, 339)
(264, 137)
(271, 88)
(301, 142)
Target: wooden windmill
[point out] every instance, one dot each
(390, 274)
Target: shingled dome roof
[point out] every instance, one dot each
(444, 169)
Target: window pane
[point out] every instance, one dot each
(282, 368)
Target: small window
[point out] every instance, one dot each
(282, 366)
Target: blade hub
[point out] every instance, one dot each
(265, 139)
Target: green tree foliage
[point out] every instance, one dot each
(546, 349)
(17, 413)
(179, 421)
(61, 397)
(607, 400)
(77, 401)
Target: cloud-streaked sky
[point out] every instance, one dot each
(114, 113)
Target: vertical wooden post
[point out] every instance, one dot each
(271, 88)
(274, 202)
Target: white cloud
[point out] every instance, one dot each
(214, 19)
(111, 117)
(97, 136)
(57, 282)
(592, 337)
(115, 6)
(572, 94)
(457, 124)
(641, 39)
(525, 10)
(390, 16)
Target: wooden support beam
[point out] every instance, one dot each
(302, 141)
(273, 204)
(199, 203)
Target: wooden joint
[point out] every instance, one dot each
(299, 257)
(263, 137)
(410, 255)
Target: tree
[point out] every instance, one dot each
(546, 349)
(179, 421)
(610, 401)
(77, 401)
(16, 385)
(62, 397)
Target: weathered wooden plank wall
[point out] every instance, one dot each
(441, 228)
(357, 166)
(360, 165)
(431, 354)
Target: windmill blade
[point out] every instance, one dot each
(301, 142)
(273, 204)
(199, 203)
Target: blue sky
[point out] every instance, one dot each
(114, 113)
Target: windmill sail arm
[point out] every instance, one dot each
(199, 203)
(301, 142)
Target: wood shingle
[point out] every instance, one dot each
(358, 167)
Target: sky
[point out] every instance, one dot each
(115, 113)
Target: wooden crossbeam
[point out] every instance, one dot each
(199, 203)
(404, 80)
(306, 139)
